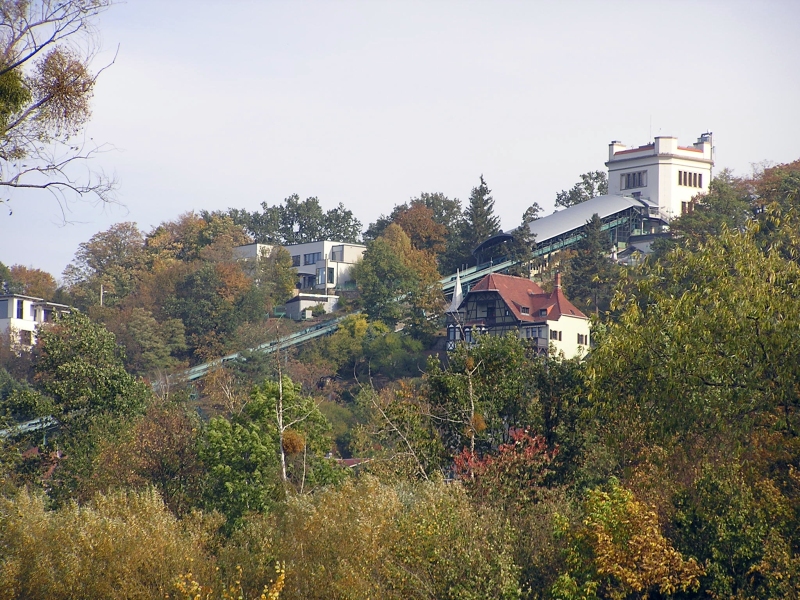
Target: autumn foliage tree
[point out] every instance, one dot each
(618, 551)
(400, 283)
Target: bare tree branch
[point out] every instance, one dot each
(46, 48)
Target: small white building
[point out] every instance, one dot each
(662, 172)
(321, 266)
(300, 306)
(20, 315)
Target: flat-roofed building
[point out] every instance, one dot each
(21, 315)
(321, 266)
(663, 172)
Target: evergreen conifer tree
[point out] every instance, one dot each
(481, 222)
(590, 275)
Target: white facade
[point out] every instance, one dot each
(663, 172)
(20, 315)
(320, 266)
(298, 307)
(569, 336)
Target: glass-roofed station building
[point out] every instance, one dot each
(648, 186)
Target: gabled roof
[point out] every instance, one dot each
(519, 293)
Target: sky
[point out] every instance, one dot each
(216, 105)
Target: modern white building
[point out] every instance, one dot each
(20, 315)
(663, 172)
(321, 266)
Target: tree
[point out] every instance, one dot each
(78, 364)
(447, 212)
(160, 451)
(591, 275)
(276, 275)
(298, 222)
(483, 391)
(33, 282)
(241, 468)
(296, 425)
(212, 302)
(383, 278)
(425, 233)
(45, 90)
(277, 440)
(524, 242)
(6, 281)
(209, 236)
(702, 346)
(112, 259)
(398, 432)
(149, 346)
(480, 221)
(366, 539)
(400, 283)
(731, 519)
(618, 551)
(592, 184)
(726, 205)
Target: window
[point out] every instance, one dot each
(20, 312)
(311, 259)
(337, 254)
(3, 309)
(555, 335)
(490, 311)
(687, 179)
(583, 340)
(453, 333)
(542, 312)
(530, 332)
(26, 338)
(525, 310)
(296, 260)
(321, 276)
(633, 180)
(330, 275)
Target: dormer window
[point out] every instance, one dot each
(525, 310)
(542, 312)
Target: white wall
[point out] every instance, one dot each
(662, 160)
(570, 327)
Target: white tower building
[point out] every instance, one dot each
(662, 172)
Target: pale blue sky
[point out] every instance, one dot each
(226, 104)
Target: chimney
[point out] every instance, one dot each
(614, 147)
(557, 284)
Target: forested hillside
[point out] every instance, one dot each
(370, 465)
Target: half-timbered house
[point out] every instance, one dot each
(502, 304)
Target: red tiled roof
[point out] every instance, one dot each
(518, 292)
(639, 149)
